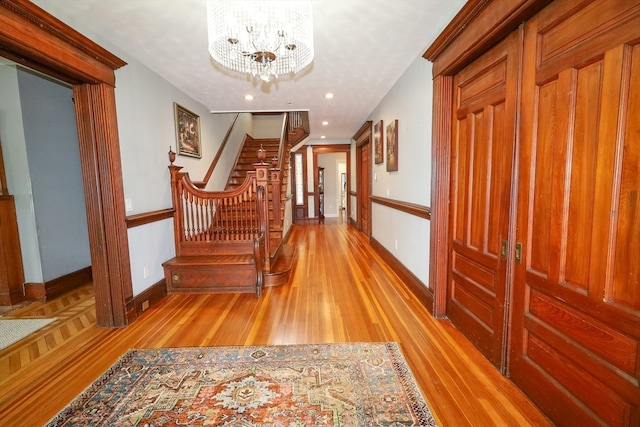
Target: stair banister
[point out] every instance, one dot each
(205, 218)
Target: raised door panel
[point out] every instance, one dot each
(482, 156)
(576, 310)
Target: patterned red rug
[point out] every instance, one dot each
(360, 384)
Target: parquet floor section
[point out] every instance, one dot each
(340, 291)
(74, 313)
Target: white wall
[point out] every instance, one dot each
(406, 236)
(267, 126)
(146, 129)
(227, 160)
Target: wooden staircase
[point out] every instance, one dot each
(219, 237)
(232, 240)
(248, 156)
(281, 256)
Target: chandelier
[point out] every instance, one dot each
(263, 38)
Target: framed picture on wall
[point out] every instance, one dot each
(378, 142)
(392, 146)
(187, 132)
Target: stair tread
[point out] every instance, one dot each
(285, 260)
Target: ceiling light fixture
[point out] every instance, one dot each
(329, 95)
(267, 39)
(325, 123)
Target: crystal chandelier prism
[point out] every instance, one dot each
(266, 39)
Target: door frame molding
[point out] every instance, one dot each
(33, 38)
(362, 137)
(328, 149)
(294, 183)
(478, 26)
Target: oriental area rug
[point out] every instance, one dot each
(347, 384)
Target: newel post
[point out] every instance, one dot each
(276, 190)
(176, 178)
(262, 180)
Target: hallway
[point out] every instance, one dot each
(341, 291)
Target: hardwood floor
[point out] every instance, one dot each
(340, 291)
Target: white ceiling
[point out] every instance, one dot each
(362, 47)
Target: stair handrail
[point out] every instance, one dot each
(284, 141)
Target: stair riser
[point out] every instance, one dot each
(211, 279)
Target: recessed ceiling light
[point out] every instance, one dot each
(325, 123)
(248, 97)
(328, 95)
(322, 137)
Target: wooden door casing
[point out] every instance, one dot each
(481, 167)
(576, 310)
(298, 178)
(365, 187)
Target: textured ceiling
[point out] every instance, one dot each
(362, 47)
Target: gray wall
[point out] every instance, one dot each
(56, 177)
(42, 161)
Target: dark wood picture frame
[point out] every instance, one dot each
(378, 142)
(392, 146)
(187, 132)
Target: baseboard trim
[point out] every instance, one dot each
(415, 285)
(145, 300)
(56, 287)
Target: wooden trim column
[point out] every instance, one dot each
(440, 179)
(104, 197)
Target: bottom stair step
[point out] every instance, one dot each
(211, 274)
(281, 269)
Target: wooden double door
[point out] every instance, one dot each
(544, 265)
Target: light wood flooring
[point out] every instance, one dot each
(340, 291)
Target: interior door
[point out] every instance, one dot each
(484, 113)
(576, 324)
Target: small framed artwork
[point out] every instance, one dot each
(378, 142)
(187, 132)
(392, 146)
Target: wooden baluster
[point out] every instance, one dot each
(192, 226)
(202, 229)
(216, 221)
